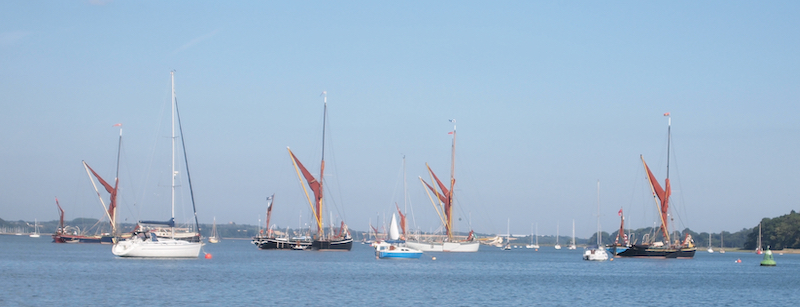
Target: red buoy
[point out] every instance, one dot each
(208, 256)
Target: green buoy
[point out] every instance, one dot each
(768, 261)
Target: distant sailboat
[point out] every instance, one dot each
(269, 240)
(710, 250)
(557, 246)
(572, 245)
(619, 247)
(597, 253)
(35, 233)
(758, 243)
(721, 244)
(534, 245)
(508, 236)
(214, 238)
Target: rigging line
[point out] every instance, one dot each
(186, 163)
(332, 151)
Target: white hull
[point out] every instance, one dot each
(163, 248)
(466, 247)
(557, 246)
(595, 255)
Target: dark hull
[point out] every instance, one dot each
(62, 238)
(647, 251)
(332, 245)
(273, 243)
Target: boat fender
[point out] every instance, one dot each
(208, 256)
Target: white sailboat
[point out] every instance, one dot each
(557, 246)
(214, 238)
(148, 244)
(710, 250)
(572, 245)
(597, 253)
(508, 236)
(534, 245)
(721, 245)
(758, 246)
(443, 203)
(35, 233)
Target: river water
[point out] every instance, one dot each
(35, 272)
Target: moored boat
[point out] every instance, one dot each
(146, 241)
(341, 241)
(621, 243)
(667, 248)
(214, 237)
(443, 203)
(597, 252)
(395, 247)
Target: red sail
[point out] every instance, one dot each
(621, 232)
(402, 220)
(662, 194)
(61, 218)
(375, 230)
(271, 200)
(315, 186)
(111, 190)
(444, 197)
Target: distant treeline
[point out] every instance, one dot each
(777, 233)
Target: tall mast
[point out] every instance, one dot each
(320, 231)
(598, 214)
(116, 184)
(452, 183)
(172, 105)
(669, 141)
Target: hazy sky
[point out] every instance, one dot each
(549, 98)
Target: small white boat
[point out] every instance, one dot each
(572, 245)
(508, 237)
(710, 250)
(721, 246)
(35, 233)
(534, 245)
(557, 246)
(214, 238)
(596, 253)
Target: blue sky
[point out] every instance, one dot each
(549, 98)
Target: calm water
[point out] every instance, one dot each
(35, 272)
